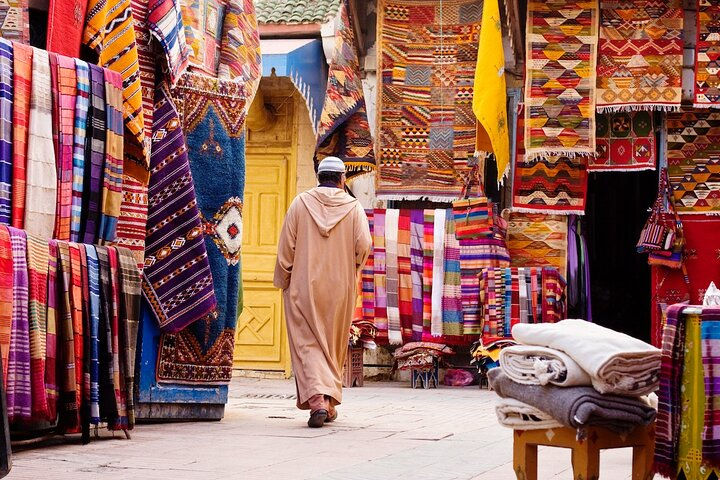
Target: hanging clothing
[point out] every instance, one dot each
(6, 129)
(37, 256)
(94, 158)
(82, 104)
(22, 79)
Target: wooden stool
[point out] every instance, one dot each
(353, 369)
(426, 376)
(585, 453)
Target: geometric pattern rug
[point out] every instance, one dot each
(694, 160)
(640, 55)
(538, 240)
(707, 55)
(625, 142)
(427, 54)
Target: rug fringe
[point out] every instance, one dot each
(705, 105)
(359, 167)
(644, 168)
(636, 108)
(429, 198)
(545, 154)
(546, 211)
(395, 338)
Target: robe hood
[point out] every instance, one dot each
(327, 207)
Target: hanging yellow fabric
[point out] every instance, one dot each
(490, 97)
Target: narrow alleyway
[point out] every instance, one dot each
(385, 430)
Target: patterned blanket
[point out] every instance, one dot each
(625, 142)
(707, 41)
(538, 240)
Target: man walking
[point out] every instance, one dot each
(325, 241)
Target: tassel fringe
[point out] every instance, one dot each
(636, 108)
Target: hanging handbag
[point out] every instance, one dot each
(662, 237)
(473, 216)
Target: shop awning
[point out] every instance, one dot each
(304, 62)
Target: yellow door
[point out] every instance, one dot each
(261, 339)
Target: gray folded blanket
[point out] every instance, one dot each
(576, 406)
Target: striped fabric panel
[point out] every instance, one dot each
(380, 274)
(76, 311)
(18, 391)
(710, 340)
(147, 60)
(108, 401)
(51, 338)
(507, 295)
(6, 297)
(6, 129)
(22, 80)
(113, 172)
(452, 290)
(82, 103)
(118, 377)
(85, 374)
(110, 32)
(417, 242)
(93, 334)
(41, 188)
(427, 276)
(405, 289)
(15, 21)
(367, 277)
(68, 408)
(37, 253)
(132, 222)
(65, 105)
(240, 56)
(165, 21)
(130, 293)
(94, 157)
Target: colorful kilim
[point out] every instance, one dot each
(427, 273)
(452, 306)
(132, 221)
(240, 56)
(64, 104)
(560, 78)
(65, 26)
(6, 129)
(147, 63)
(203, 20)
(438, 272)
(113, 172)
(380, 274)
(392, 279)
(212, 112)
(417, 242)
(548, 185)
(538, 240)
(625, 142)
(109, 32)
(640, 55)
(18, 391)
(15, 21)
(94, 157)
(405, 290)
(165, 21)
(22, 79)
(707, 77)
(694, 161)
(343, 130)
(82, 104)
(6, 297)
(710, 340)
(367, 286)
(37, 256)
(177, 281)
(426, 72)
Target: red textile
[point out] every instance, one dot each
(6, 296)
(66, 19)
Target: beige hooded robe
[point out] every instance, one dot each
(324, 244)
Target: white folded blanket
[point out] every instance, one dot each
(532, 365)
(515, 414)
(617, 363)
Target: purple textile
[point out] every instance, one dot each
(94, 157)
(6, 129)
(710, 341)
(175, 246)
(19, 401)
(417, 242)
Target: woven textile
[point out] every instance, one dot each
(118, 374)
(452, 306)
(109, 31)
(65, 26)
(425, 122)
(438, 272)
(130, 293)
(427, 273)
(6, 129)
(560, 78)
(177, 281)
(380, 273)
(417, 242)
(212, 112)
(147, 64)
(693, 162)
(37, 259)
(240, 56)
(625, 142)
(18, 391)
(94, 157)
(707, 79)
(22, 83)
(165, 21)
(367, 287)
(64, 105)
(15, 21)
(6, 297)
(392, 219)
(68, 407)
(405, 286)
(51, 338)
(109, 408)
(82, 104)
(76, 313)
(538, 240)
(114, 165)
(667, 422)
(343, 130)
(490, 92)
(132, 221)
(548, 185)
(710, 340)
(203, 20)
(93, 334)
(640, 55)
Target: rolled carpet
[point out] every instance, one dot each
(517, 415)
(531, 365)
(576, 406)
(617, 363)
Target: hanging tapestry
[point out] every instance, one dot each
(203, 20)
(240, 56)
(707, 43)
(22, 79)
(538, 240)
(560, 78)
(426, 122)
(132, 222)
(6, 130)
(452, 307)
(15, 21)
(694, 160)
(490, 92)
(64, 106)
(177, 281)
(625, 142)
(548, 185)
(165, 21)
(344, 131)
(94, 157)
(212, 113)
(82, 104)
(640, 55)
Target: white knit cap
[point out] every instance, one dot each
(331, 164)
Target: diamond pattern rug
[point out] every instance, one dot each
(625, 142)
(538, 240)
(707, 54)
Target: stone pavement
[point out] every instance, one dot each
(384, 431)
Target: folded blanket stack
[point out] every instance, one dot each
(420, 355)
(576, 373)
